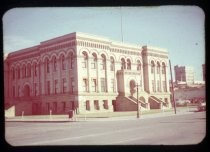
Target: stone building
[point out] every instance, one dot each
(85, 73)
(184, 74)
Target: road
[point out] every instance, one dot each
(169, 130)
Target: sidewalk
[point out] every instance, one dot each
(64, 118)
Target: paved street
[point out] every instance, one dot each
(168, 130)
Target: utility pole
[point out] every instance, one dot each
(137, 100)
(172, 88)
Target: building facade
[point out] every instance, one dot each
(184, 74)
(85, 73)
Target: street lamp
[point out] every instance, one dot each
(138, 109)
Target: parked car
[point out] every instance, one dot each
(202, 106)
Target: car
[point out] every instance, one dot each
(202, 106)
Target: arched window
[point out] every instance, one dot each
(13, 73)
(28, 72)
(123, 66)
(55, 64)
(163, 68)
(94, 62)
(85, 60)
(128, 64)
(26, 91)
(152, 67)
(63, 62)
(112, 66)
(71, 60)
(35, 69)
(47, 65)
(138, 65)
(24, 71)
(18, 73)
(158, 68)
(103, 64)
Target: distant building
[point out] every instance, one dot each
(86, 73)
(184, 75)
(204, 72)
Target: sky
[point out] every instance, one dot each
(179, 29)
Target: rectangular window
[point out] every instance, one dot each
(112, 85)
(103, 85)
(48, 87)
(85, 85)
(96, 105)
(56, 86)
(35, 89)
(72, 85)
(105, 104)
(94, 85)
(163, 70)
(64, 85)
(93, 65)
(87, 105)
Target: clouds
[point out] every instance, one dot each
(14, 43)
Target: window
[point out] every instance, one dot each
(105, 104)
(94, 62)
(138, 65)
(164, 86)
(96, 105)
(35, 69)
(112, 85)
(152, 67)
(87, 105)
(28, 73)
(94, 85)
(24, 71)
(103, 85)
(48, 87)
(13, 73)
(112, 64)
(158, 68)
(153, 86)
(35, 89)
(63, 62)
(163, 69)
(85, 85)
(103, 64)
(71, 60)
(18, 73)
(56, 86)
(123, 66)
(64, 85)
(128, 64)
(47, 65)
(55, 64)
(72, 85)
(85, 60)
